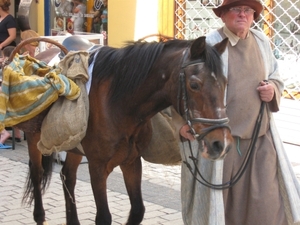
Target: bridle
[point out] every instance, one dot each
(214, 124)
(183, 97)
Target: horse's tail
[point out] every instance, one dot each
(47, 166)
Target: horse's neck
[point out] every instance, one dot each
(161, 93)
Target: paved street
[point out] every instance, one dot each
(160, 186)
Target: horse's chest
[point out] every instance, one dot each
(125, 155)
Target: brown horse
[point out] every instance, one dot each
(129, 86)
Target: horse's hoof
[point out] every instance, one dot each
(45, 223)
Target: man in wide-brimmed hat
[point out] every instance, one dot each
(260, 196)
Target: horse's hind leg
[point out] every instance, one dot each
(133, 177)
(40, 170)
(68, 176)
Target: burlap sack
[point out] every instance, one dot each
(65, 125)
(163, 147)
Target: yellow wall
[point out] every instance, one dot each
(166, 17)
(40, 18)
(121, 20)
(130, 20)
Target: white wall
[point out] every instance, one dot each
(146, 18)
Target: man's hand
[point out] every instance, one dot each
(186, 133)
(266, 91)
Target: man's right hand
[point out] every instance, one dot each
(185, 131)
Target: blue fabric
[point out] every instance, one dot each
(3, 146)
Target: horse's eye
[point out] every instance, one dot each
(194, 86)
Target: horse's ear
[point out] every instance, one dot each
(221, 46)
(198, 47)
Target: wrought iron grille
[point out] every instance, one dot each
(280, 21)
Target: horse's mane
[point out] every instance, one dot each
(129, 66)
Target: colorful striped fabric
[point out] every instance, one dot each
(29, 86)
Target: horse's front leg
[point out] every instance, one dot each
(133, 177)
(99, 174)
(68, 177)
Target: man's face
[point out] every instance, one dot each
(238, 18)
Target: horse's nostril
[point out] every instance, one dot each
(218, 146)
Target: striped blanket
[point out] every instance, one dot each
(29, 86)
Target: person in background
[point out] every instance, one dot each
(6, 52)
(253, 77)
(31, 48)
(8, 26)
(4, 135)
(97, 20)
(100, 20)
(79, 9)
(104, 16)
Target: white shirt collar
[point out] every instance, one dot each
(233, 39)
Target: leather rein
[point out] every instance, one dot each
(214, 124)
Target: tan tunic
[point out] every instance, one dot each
(245, 71)
(255, 199)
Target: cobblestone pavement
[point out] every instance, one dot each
(160, 187)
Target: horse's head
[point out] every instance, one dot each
(202, 97)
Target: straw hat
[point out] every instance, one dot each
(26, 34)
(254, 4)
